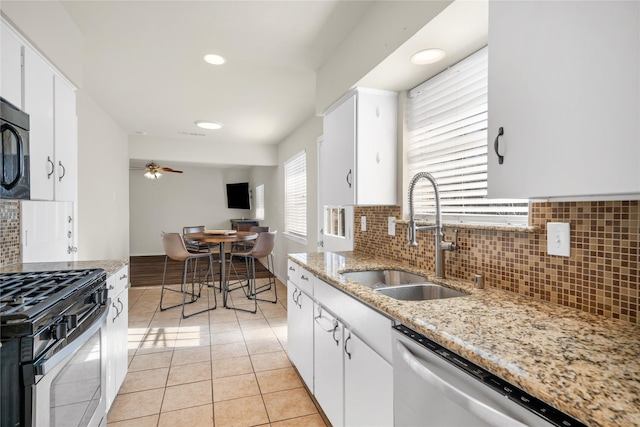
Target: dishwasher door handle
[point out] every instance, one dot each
(478, 408)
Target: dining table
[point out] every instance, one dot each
(222, 237)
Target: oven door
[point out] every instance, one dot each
(72, 388)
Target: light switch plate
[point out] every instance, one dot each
(558, 238)
(363, 223)
(391, 225)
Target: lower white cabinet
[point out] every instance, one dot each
(342, 350)
(368, 385)
(300, 332)
(117, 332)
(328, 368)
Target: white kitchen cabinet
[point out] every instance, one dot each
(47, 230)
(564, 86)
(50, 102)
(359, 148)
(10, 65)
(38, 94)
(328, 367)
(300, 332)
(368, 385)
(117, 332)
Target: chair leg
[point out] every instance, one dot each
(200, 286)
(270, 285)
(248, 292)
(164, 288)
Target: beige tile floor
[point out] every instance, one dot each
(218, 368)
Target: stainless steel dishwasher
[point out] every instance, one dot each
(436, 387)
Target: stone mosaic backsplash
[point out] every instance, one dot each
(601, 276)
(9, 232)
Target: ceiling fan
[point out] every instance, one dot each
(153, 171)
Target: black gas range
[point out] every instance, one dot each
(45, 319)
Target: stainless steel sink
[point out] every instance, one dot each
(420, 292)
(382, 278)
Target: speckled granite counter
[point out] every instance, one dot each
(586, 366)
(110, 266)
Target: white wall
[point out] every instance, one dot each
(303, 138)
(195, 197)
(103, 184)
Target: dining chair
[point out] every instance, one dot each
(197, 246)
(245, 245)
(263, 248)
(175, 248)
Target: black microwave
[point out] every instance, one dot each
(14, 152)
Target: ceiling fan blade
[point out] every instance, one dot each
(168, 170)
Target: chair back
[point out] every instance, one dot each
(264, 244)
(258, 229)
(174, 246)
(192, 229)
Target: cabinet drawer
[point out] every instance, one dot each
(292, 272)
(306, 281)
(371, 326)
(121, 279)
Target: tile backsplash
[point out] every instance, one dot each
(9, 232)
(601, 276)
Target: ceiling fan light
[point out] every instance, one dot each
(208, 125)
(428, 56)
(152, 174)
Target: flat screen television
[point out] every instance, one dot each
(238, 196)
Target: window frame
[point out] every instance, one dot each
(296, 164)
(259, 211)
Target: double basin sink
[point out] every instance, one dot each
(402, 285)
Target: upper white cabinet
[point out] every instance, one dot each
(359, 149)
(51, 104)
(10, 66)
(564, 87)
(48, 231)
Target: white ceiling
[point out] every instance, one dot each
(144, 66)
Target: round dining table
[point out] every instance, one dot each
(222, 237)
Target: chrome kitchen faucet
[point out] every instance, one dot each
(440, 244)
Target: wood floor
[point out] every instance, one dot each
(147, 270)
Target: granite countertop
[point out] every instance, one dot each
(585, 365)
(110, 266)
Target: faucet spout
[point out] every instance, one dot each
(439, 231)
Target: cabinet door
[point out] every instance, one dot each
(564, 85)
(38, 103)
(121, 356)
(10, 67)
(46, 231)
(66, 142)
(328, 368)
(300, 332)
(338, 154)
(368, 385)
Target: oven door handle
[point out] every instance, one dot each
(473, 405)
(43, 366)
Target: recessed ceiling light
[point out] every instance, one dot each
(428, 56)
(214, 59)
(208, 125)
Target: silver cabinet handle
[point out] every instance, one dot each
(349, 178)
(496, 145)
(64, 171)
(124, 276)
(480, 409)
(303, 277)
(346, 340)
(53, 167)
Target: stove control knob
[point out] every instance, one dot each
(59, 330)
(72, 321)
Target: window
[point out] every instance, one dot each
(295, 195)
(447, 123)
(260, 201)
(334, 221)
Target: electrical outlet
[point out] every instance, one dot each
(363, 223)
(391, 225)
(558, 238)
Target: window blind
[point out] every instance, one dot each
(260, 201)
(447, 124)
(295, 195)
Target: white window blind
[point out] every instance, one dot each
(295, 195)
(260, 201)
(447, 123)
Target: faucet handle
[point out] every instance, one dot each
(450, 246)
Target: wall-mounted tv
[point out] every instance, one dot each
(238, 196)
